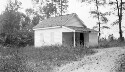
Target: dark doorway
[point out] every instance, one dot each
(82, 38)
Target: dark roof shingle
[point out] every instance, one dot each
(54, 21)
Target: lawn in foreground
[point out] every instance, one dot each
(30, 59)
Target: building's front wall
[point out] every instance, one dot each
(93, 39)
(49, 36)
(63, 36)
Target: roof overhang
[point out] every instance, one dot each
(69, 29)
(83, 30)
(87, 31)
(72, 30)
(47, 28)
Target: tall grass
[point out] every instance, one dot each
(121, 63)
(108, 44)
(41, 59)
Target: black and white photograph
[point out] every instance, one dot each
(62, 35)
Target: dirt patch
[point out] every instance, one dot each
(103, 61)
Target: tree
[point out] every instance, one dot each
(102, 21)
(34, 17)
(25, 21)
(46, 9)
(10, 19)
(101, 17)
(13, 25)
(49, 9)
(30, 11)
(62, 6)
(119, 7)
(52, 7)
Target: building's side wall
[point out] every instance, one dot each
(86, 39)
(74, 22)
(93, 39)
(49, 36)
(37, 39)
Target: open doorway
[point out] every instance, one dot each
(81, 38)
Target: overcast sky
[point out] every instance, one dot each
(82, 10)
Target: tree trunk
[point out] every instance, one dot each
(120, 33)
(99, 31)
(120, 19)
(98, 19)
(120, 29)
(61, 8)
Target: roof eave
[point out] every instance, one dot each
(72, 30)
(47, 28)
(94, 31)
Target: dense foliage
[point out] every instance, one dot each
(14, 26)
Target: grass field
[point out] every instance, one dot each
(30, 59)
(43, 59)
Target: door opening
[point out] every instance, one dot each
(81, 38)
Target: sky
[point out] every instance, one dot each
(81, 9)
(74, 7)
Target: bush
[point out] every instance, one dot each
(120, 63)
(20, 39)
(11, 61)
(114, 43)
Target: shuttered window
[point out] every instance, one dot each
(42, 37)
(52, 36)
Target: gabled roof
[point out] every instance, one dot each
(81, 29)
(55, 21)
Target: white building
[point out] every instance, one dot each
(64, 30)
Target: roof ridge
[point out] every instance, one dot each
(55, 21)
(70, 18)
(63, 15)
